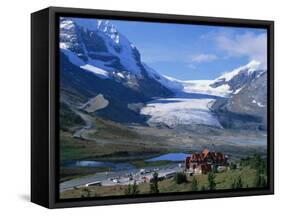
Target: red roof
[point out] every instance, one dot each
(206, 154)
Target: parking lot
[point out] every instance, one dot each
(125, 177)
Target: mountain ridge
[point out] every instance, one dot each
(93, 51)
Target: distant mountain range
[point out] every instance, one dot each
(98, 61)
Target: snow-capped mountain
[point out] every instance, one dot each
(240, 101)
(235, 80)
(169, 82)
(247, 108)
(97, 47)
(98, 43)
(226, 85)
(200, 87)
(97, 60)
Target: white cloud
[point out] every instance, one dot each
(253, 46)
(203, 58)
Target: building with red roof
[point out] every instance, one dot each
(205, 162)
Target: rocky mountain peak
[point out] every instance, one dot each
(239, 77)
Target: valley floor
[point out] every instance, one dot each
(223, 180)
(110, 153)
(111, 150)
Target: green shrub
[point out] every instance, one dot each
(233, 166)
(180, 178)
(132, 189)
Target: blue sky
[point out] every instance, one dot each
(191, 52)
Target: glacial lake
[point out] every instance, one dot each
(169, 157)
(173, 157)
(113, 166)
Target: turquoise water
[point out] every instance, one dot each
(169, 157)
(113, 166)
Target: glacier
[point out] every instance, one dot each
(192, 98)
(180, 111)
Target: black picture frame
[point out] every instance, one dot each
(45, 105)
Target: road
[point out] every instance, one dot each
(123, 177)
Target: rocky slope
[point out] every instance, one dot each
(101, 69)
(96, 59)
(247, 109)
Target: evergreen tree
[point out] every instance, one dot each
(135, 189)
(211, 181)
(203, 188)
(215, 169)
(128, 190)
(263, 182)
(154, 184)
(239, 183)
(257, 181)
(233, 185)
(194, 184)
(260, 180)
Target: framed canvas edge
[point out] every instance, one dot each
(54, 11)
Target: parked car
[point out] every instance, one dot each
(116, 180)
